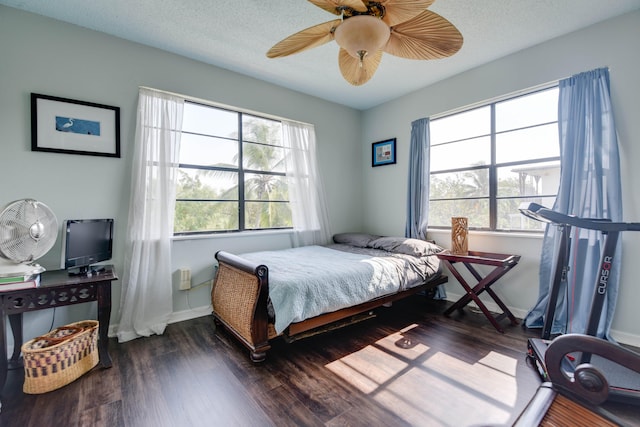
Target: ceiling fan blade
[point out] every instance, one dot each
(306, 39)
(332, 6)
(356, 73)
(398, 11)
(427, 36)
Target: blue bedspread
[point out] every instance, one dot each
(308, 281)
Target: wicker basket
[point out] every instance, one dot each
(60, 357)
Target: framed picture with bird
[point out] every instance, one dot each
(61, 125)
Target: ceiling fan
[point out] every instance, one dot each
(366, 29)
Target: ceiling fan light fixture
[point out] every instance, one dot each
(367, 29)
(362, 35)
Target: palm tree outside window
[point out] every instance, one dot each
(232, 173)
(487, 159)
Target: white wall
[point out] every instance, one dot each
(612, 43)
(50, 57)
(46, 56)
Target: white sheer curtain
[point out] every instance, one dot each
(306, 192)
(146, 284)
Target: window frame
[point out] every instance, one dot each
(493, 167)
(240, 170)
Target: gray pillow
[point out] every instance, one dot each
(405, 245)
(360, 240)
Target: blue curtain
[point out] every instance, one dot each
(590, 188)
(418, 187)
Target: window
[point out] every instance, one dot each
(487, 160)
(231, 173)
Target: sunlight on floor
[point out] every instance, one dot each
(415, 382)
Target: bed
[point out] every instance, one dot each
(297, 292)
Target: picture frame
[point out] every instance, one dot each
(61, 125)
(383, 152)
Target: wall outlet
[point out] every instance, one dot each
(185, 279)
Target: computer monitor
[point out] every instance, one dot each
(86, 242)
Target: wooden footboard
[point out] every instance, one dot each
(239, 300)
(240, 297)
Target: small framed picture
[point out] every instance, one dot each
(60, 125)
(383, 152)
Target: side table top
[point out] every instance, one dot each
(477, 257)
(61, 277)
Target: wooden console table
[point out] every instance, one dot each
(56, 289)
(502, 264)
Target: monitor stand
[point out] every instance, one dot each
(86, 271)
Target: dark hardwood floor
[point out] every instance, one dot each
(410, 365)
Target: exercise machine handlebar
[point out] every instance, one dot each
(540, 213)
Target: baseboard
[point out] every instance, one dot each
(619, 336)
(175, 317)
(626, 338)
(181, 316)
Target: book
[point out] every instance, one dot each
(24, 284)
(15, 279)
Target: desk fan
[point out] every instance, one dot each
(28, 230)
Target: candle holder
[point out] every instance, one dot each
(459, 235)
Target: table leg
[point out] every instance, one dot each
(15, 320)
(104, 314)
(472, 294)
(487, 287)
(503, 307)
(4, 364)
(16, 327)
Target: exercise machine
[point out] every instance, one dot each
(578, 399)
(623, 383)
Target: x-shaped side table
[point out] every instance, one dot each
(502, 264)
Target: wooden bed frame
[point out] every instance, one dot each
(240, 296)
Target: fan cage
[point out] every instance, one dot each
(28, 230)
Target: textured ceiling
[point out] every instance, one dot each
(236, 34)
